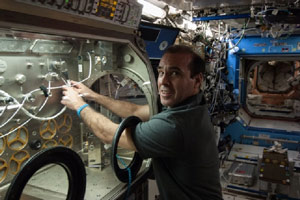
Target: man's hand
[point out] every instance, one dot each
(83, 90)
(71, 98)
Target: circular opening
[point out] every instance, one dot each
(49, 182)
(54, 158)
(134, 164)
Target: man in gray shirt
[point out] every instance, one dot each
(180, 140)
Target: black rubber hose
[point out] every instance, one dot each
(63, 156)
(136, 163)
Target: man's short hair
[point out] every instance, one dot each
(196, 65)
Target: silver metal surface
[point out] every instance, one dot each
(242, 173)
(49, 57)
(251, 154)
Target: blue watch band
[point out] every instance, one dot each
(81, 108)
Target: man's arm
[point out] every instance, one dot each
(100, 125)
(123, 108)
(105, 129)
(120, 108)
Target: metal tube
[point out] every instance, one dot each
(270, 139)
(221, 17)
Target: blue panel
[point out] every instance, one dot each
(160, 39)
(236, 129)
(258, 45)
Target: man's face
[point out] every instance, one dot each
(174, 79)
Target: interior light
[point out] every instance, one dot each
(151, 10)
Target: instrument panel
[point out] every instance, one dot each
(121, 12)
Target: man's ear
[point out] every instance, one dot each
(198, 80)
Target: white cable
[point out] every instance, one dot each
(43, 118)
(88, 77)
(4, 109)
(13, 115)
(49, 86)
(59, 87)
(24, 122)
(90, 69)
(44, 103)
(242, 36)
(26, 111)
(15, 101)
(64, 108)
(6, 134)
(66, 82)
(26, 96)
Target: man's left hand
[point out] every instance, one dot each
(71, 98)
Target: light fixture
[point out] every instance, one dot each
(151, 10)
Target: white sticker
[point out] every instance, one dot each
(79, 68)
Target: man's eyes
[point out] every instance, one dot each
(173, 73)
(160, 73)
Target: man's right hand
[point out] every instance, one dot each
(85, 91)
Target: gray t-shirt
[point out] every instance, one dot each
(181, 143)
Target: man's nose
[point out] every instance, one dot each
(165, 79)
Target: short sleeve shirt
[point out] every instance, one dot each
(181, 143)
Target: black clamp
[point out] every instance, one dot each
(45, 90)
